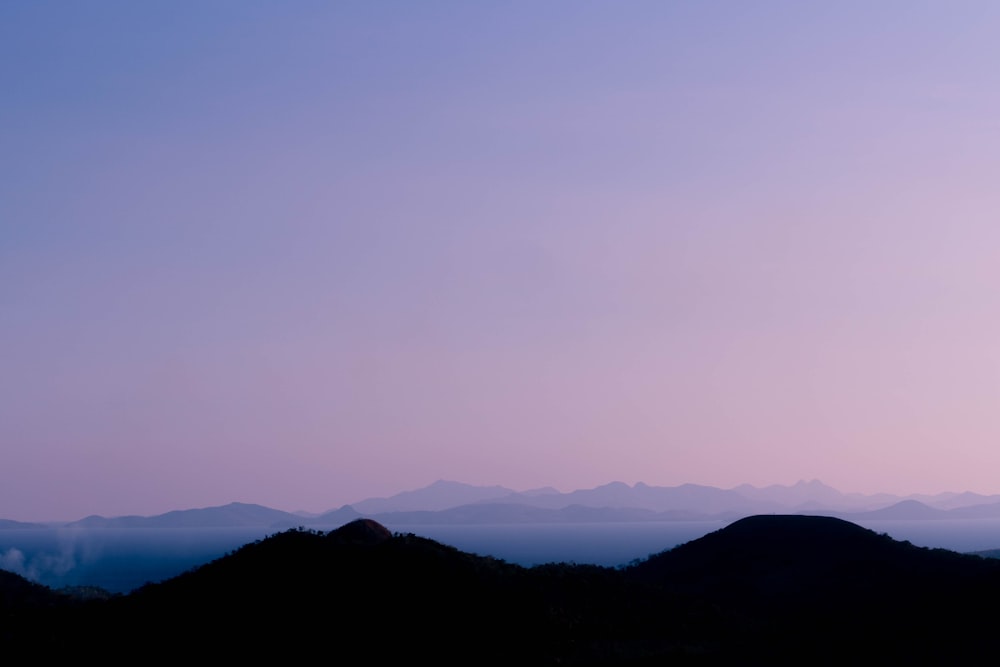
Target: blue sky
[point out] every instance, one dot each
(304, 253)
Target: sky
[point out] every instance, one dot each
(305, 253)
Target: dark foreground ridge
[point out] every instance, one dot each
(764, 589)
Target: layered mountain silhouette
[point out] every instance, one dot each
(453, 502)
(231, 515)
(440, 495)
(461, 503)
(764, 589)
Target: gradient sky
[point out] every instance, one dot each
(306, 253)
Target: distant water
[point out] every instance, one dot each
(120, 560)
(115, 559)
(962, 535)
(609, 544)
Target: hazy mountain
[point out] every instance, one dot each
(684, 502)
(903, 510)
(914, 510)
(541, 491)
(697, 500)
(440, 495)
(231, 515)
(804, 495)
(949, 501)
(693, 499)
(987, 511)
(704, 500)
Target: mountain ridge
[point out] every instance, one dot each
(682, 502)
(765, 589)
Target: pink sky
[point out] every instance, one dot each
(305, 254)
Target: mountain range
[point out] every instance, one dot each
(448, 502)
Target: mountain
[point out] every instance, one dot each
(950, 501)
(813, 549)
(764, 590)
(802, 585)
(703, 500)
(17, 593)
(225, 516)
(354, 594)
(688, 501)
(914, 510)
(541, 491)
(985, 511)
(692, 500)
(903, 510)
(438, 496)
(803, 494)
(638, 502)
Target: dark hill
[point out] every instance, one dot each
(765, 590)
(765, 558)
(762, 544)
(361, 531)
(32, 615)
(407, 596)
(17, 593)
(804, 581)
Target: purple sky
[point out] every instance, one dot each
(305, 253)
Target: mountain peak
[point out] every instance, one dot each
(447, 484)
(361, 531)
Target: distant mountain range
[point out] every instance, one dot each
(448, 502)
(703, 501)
(236, 515)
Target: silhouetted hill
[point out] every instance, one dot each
(361, 532)
(805, 581)
(33, 616)
(413, 596)
(17, 592)
(762, 545)
(767, 589)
